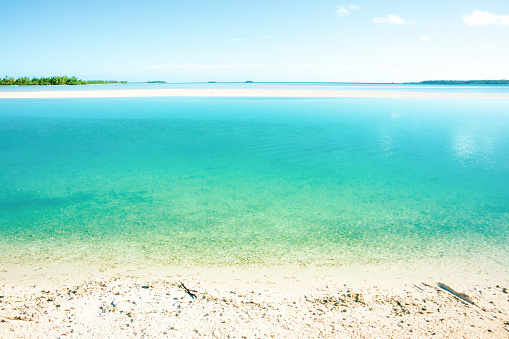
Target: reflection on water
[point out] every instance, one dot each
(387, 131)
(475, 145)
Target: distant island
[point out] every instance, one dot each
(156, 82)
(58, 80)
(249, 82)
(461, 82)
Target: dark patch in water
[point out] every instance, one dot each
(495, 208)
(32, 201)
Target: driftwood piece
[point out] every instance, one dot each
(433, 287)
(192, 293)
(461, 296)
(417, 287)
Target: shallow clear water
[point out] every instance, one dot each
(243, 181)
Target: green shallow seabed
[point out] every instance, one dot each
(253, 181)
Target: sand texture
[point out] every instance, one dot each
(277, 93)
(123, 308)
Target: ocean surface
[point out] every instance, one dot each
(233, 181)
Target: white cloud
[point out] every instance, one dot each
(345, 10)
(399, 48)
(424, 37)
(391, 19)
(202, 66)
(480, 18)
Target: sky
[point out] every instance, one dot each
(262, 40)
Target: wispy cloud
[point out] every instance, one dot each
(391, 19)
(345, 10)
(400, 48)
(424, 37)
(204, 66)
(480, 18)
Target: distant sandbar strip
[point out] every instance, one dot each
(263, 93)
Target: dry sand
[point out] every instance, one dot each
(270, 93)
(124, 308)
(257, 302)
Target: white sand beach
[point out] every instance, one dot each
(186, 308)
(269, 93)
(255, 302)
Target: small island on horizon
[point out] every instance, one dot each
(461, 82)
(65, 80)
(56, 80)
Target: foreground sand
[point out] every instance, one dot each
(272, 302)
(279, 93)
(123, 308)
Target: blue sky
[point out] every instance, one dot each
(235, 40)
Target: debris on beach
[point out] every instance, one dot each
(129, 308)
(461, 296)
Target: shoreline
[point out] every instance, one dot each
(66, 268)
(246, 93)
(294, 277)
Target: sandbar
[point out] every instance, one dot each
(267, 93)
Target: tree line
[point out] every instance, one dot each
(58, 80)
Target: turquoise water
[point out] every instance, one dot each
(221, 181)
